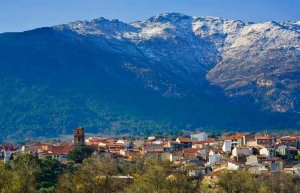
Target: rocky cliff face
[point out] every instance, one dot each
(262, 62)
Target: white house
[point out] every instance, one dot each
(59, 157)
(158, 142)
(123, 152)
(252, 143)
(174, 157)
(101, 144)
(200, 136)
(257, 169)
(233, 165)
(227, 146)
(120, 141)
(282, 149)
(214, 159)
(58, 152)
(252, 160)
(204, 144)
(241, 151)
(265, 152)
(151, 138)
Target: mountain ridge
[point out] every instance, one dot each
(226, 35)
(191, 71)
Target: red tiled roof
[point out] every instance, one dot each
(235, 137)
(61, 149)
(206, 141)
(93, 140)
(218, 151)
(115, 145)
(8, 146)
(184, 140)
(190, 150)
(290, 138)
(261, 157)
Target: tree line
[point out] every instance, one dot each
(96, 174)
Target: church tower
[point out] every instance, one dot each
(79, 137)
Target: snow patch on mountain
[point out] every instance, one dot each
(260, 60)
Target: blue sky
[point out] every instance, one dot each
(20, 15)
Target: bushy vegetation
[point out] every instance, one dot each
(27, 174)
(78, 154)
(244, 182)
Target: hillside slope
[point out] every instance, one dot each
(169, 72)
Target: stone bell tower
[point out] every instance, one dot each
(79, 137)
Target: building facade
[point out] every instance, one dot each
(79, 138)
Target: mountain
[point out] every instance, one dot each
(170, 72)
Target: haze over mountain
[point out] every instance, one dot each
(169, 72)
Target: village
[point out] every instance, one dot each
(207, 157)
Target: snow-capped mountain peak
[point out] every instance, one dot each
(228, 53)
